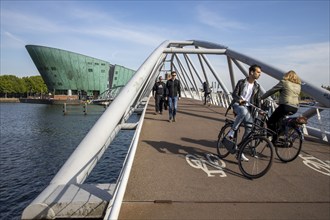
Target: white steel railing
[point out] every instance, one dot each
(195, 62)
(320, 124)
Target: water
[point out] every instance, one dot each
(36, 140)
(314, 122)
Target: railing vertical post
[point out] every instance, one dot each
(220, 99)
(64, 109)
(85, 108)
(324, 136)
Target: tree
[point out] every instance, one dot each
(12, 86)
(7, 84)
(39, 83)
(30, 85)
(326, 87)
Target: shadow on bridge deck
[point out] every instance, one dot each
(163, 185)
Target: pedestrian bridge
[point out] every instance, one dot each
(171, 170)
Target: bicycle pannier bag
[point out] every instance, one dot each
(301, 120)
(229, 144)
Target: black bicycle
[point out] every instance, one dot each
(288, 137)
(254, 152)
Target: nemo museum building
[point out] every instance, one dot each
(72, 74)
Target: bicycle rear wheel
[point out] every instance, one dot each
(288, 146)
(259, 152)
(222, 150)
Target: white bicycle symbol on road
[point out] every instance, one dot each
(218, 165)
(316, 164)
(212, 161)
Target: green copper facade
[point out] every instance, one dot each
(65, 71)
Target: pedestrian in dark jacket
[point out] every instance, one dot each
(173, 93)
(168, 77)
(207, 91)
(158, 92)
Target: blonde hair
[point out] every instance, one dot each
(292, 77)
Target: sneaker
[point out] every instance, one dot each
(173, 119)
(244, 158)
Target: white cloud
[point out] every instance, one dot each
(19, 22)
(12, 40)
(123, 33)
(215, 20)
(23, 22)
(310, 61)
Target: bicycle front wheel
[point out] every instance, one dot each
(222, 150)
(288, 146)
(255, 157)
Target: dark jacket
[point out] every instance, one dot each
(206, 88)
(173, 88)
(255, 97)
(159, 89)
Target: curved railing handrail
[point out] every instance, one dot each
(114, 206)
(88, 152)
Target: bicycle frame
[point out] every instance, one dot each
(256, 130)
(288, 123)
(254, 152)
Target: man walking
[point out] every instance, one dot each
(173, 92)
(207, 91)
(158, 93)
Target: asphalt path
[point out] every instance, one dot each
(172, 178)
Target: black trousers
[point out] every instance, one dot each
(165, 104)
(159, 102)
(277, 116)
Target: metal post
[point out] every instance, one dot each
(64, 109)
(324, 136)
(85, 108)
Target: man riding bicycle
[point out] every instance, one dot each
(246, 91)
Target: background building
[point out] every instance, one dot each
(68, 73)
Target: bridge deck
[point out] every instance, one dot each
(162, 184)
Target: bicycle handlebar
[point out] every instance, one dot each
(256, 107)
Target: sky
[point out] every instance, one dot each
(285, 34)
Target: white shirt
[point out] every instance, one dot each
(247, 93)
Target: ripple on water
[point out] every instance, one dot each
(35, 142)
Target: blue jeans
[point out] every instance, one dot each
(243, 115)
(172, 106)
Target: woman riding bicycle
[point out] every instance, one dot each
(289, 88)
